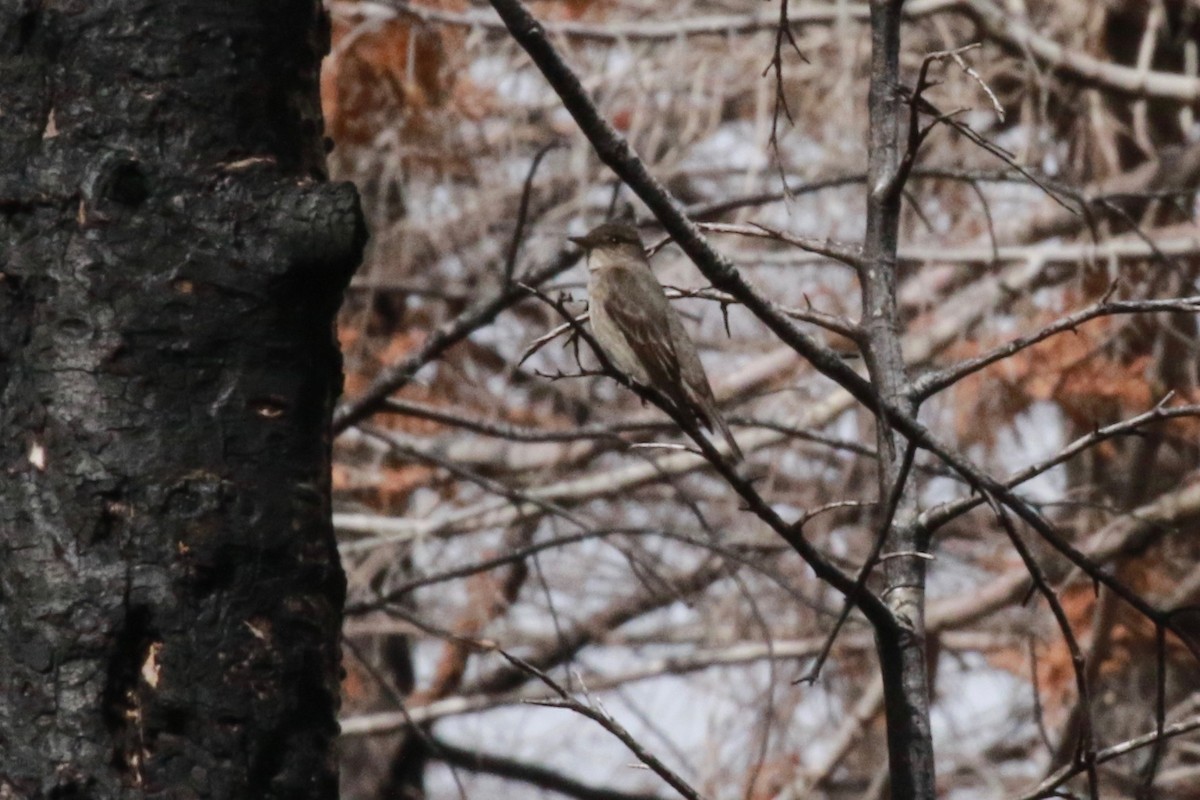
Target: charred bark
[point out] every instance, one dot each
(171, 259)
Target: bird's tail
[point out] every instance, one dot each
(710, 417)
(703, 409)
(717, 423)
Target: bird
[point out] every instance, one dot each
(639, 330)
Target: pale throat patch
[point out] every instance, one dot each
(601, 257)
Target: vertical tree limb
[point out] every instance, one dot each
(902, 648)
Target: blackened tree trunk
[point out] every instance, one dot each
(170, 263)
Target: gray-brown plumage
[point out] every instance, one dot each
(639, 330)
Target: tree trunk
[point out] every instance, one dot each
(170, 263)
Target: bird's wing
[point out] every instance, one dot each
(695, 379)
(636, 303)
(637, 306)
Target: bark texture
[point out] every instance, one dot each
(170, 262)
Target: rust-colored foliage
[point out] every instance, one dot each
(1085, 371)
(1128, 637)
(379, 72)
(572, 9)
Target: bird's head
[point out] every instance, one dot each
(611, 242)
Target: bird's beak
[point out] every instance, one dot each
(581, 241)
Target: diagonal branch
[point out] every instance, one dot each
(931, 383)
(525, 772)
(618, 155)
(445, 337)
(791, 533)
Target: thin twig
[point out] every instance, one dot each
(445, 337)
(931, 383)
(849, 255)
(873, 559)
(514, 246)
(1085, 750)
(1049, 786)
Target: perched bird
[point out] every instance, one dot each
(640, 332)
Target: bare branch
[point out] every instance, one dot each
(445, 337)
(849, 255)
(933, 382)
(1048, 787)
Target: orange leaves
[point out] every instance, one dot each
(408, 74)
(1078, 370)
(374, 354)
(1113, 638)
(772, 777)
(571, 9)
(383, 72)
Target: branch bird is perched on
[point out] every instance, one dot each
(639, 330)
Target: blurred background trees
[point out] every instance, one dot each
(485, 501)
